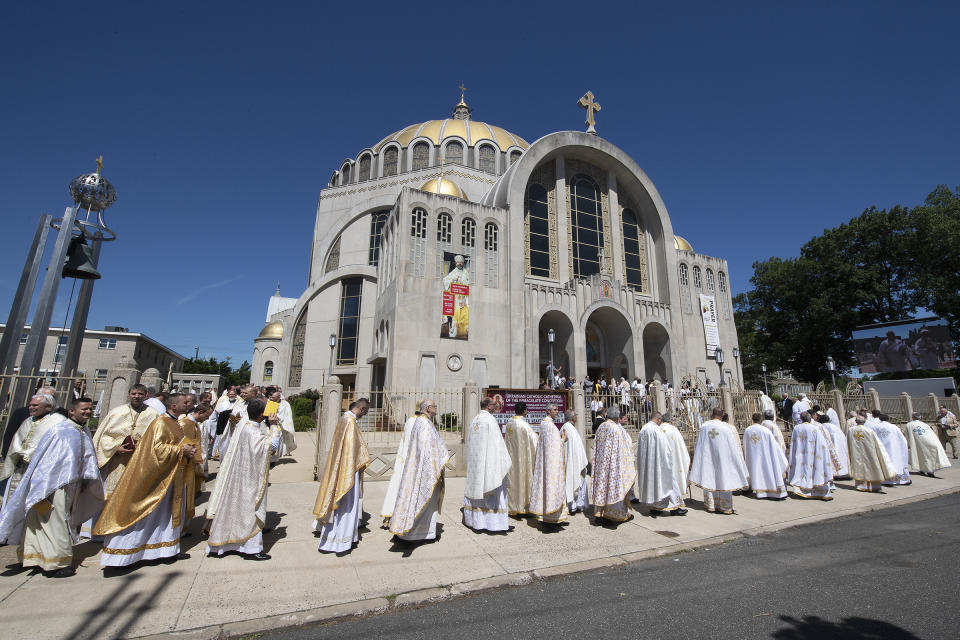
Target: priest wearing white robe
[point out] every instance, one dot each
(661, 468)
(237, 414)
(839, 442)
(801, 405)
(420, 494)
(896, 445)
(521, 444)
(59, 490)
(238, 504)
(548, 491)
(147, 512)
(718, 466)
(339, 503)
(282, 430)
(223, 410)
(766, 462)
(28, 436)
(614, 470)
(770, 422)
(927, 455)
(870, 465)
(813, 461)
(390, 499)
(485, 491)
(575, 460)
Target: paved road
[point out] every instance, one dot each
(890, 575)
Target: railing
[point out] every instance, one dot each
(14, 385)
(390, 408)
(895, 408)
(636, 407)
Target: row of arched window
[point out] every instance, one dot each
(468, 230)
(721, 277)
(418, 157)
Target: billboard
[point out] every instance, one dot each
(904, 346)
(505, 400)
(455, 314)
(711, 332)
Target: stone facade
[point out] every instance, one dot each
(618, 289)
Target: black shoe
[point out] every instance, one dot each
(679, 512)
(66, 572)
(256, 556)
(183, 555)
(656, 512)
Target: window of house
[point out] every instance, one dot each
(61, 351)
(107, 343)
(99, 375)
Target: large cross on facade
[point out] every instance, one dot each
(587, 102)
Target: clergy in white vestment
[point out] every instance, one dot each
(521, 444)
(548, 492)
(851, 420)
(767, 404)
(208, 431)
(420, 494)
(927, 455)
(662, 464)
(145, 515)
(813, 461)
(238, 504)
(896, 445)
(801, 405)
(118, 434)
(237, 414)
(59, 490)
(390, 499)
(155, 400)
(339, 502)
(870, 465)
(485, 491)
(718, 467)
(614, 469)
(770, 422)
(25, 440)
(832, 415)
(839, 441)
(281, 427)
(766, 461)
(223, 410)
(575, 461)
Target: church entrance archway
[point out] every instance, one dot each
(609, 344)
(562, 343)
(656, 353)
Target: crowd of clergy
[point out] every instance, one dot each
(133, 484)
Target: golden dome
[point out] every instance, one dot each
(445, 187)
(272, 330)
(681, 244)
(472, 131)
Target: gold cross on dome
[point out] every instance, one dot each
(99, 164)
(463, 90)
(588, 103)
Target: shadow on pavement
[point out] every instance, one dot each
(120, 604)
(811, 627)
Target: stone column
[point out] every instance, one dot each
(936, 405)
(952, 400)
(580, 406)
(119, 380)
(726, 400)
(470, 406)
(907, 406)
(658, 397)
(874, 399)
(332, 394)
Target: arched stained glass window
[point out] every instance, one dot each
(488, 161)
(514, 156)
(684, 275)
(345, 174)
(468, 233)
(268, 371)
(710, 282)
(454, 153)
(421, 156)
(491, 241)
(538, 230)
(722, 278)
(444, 228)
(418, 223)
(296, 351)
(390, 162)
(364, 168)
(697, 279)
(333, 257)
(586, 226)
(633, 250)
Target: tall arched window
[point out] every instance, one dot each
(684, 275)
(454, 153)
(722, 278)
(296, 351)
(345, 174)
(390, 162)
(634, 253)
(538, 230)
(586, 226)
(444, 228)
(377, 220)
(364, 168)
(488, 161)
(710, 283)
(421, 156)
(697, 280)
(491, 243)
(468, 233)
(418, 242)
(418, 223)
(685, 288)
(268, 371)
(333, 257)
(349, 322)
(514, 156)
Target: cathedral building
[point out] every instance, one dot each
(455, 250)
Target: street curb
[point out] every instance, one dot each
(420, 597)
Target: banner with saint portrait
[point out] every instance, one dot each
(455, 314)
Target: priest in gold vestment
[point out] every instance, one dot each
(238, 503)
(420, 493)
(192, 425)
(339, 502)
(118, 434)
(522, 447)
(146, 513)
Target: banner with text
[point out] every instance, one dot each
(711, 332)
(505, 402)
(456, 297)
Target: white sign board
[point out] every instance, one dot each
(711, 332)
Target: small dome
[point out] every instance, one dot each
(444, 187)
(273, 330)
(681, 244)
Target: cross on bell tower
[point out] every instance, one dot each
(587, 102)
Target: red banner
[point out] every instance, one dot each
(447, 303)
(460, 289)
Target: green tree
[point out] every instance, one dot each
(231, 376)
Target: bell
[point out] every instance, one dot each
(79, 262)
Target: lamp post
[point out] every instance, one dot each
(332, 342)
(718, 355)
(763, 367)
(831, 365)
(551, 336)
(736, 362)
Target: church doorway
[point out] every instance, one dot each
(656, 353)
(562, 344)
(609, 344)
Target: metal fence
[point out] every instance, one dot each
(390, 408)
(636, 407)
(14, 386)
(895, 408)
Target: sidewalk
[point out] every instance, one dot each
(204, 597)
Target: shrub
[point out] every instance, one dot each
(449, 421)
(301, 406)
(313, 394)
(303, 423)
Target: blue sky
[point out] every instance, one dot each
(760, 123)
